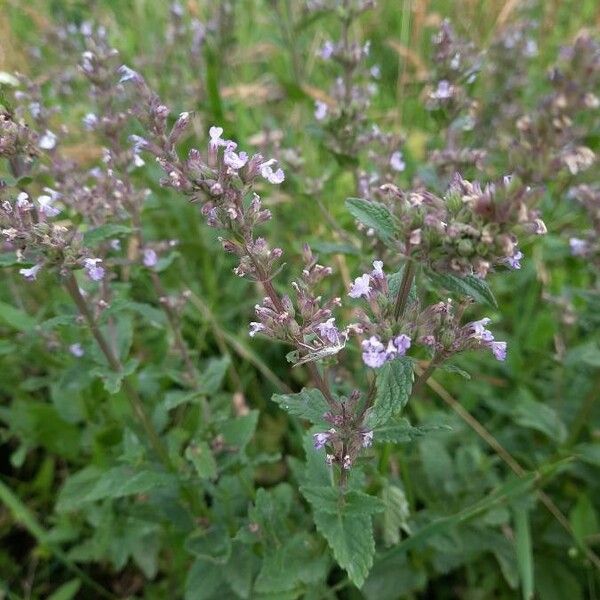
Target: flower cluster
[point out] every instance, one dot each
(469, 230)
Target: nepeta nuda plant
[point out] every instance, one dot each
(459, 238)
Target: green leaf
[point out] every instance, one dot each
(200, 455)
(212, 544)
(66, 591)
(470, 285)
(92, 484)
(524, 551)
(373, 215)
(395, 514)
(329, 499)
(583, 518)
(394, 384)
(350, 536)
(213, 374)
(401, 431)
(309, 404)
(541, 417)
(105, 232)
(114, 379)
(204, 581)
(9, 259)
(395, 280)
(15, 318)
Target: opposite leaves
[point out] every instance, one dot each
(394, 385)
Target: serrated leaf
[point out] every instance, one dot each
(200, 455)
(351, 539)
(204, 581)
(329, 499)
(373, 215)
(541, 417)
(309, 404)
(105, 232)
(394, 385)
(66, 591)
(213, 374)
(470, 285)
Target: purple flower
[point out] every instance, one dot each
(76, 350)
(320, 439)
(360, 287)
(94, 271)
(274, 177)
(329, 331)
(31, 273)
(499, 350)
(397, 161)
(326, 52)
(150, 257)
(320, 110)
(479, 331)
(374, 354)
(578, 246)
(444, 91)
(367, 438)
(234, 160)
(400, 344)
(514, 261)
(255, 328)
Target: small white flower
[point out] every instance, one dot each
(150, 257)
(94, 271)
(274, 177)
(360, 287)
(127, 74)
(31, 273)
(47, 141)
(90, 121)
(46, 206)
(321, 110)
(397, 161)
(76, 350)
(23, 202)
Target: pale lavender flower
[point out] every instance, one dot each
(499, 350)
(329, 331)
(444, 91)
(150, 257)
(375, 71)
(347, 462)
(479, 331)
(401, 344)
(234, 160)
(321, 110)
(377, 272)
(90, 121)
(255, 328)
(274, 177)
(374, 354)
(367, 438)
(578, 246)
(47, 141)
(46, 206)
(326, 52)
(215, 134)
(76, 350)
(321, 439)
(115, 244)
(23, 202)
(94, 271)
(31, 273)
(361, 287)
(128, 74)
(514, 261)
(397, 161)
